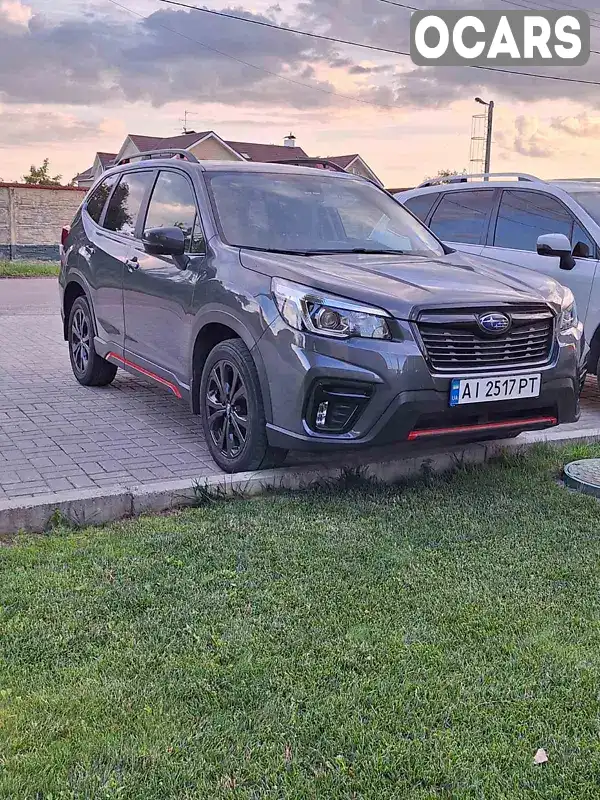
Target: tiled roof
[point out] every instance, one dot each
(267, 152)
(342, 161)
(181, 142)
(106, 159)
(85, 175)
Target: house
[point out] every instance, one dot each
(101, 163)
(356, 165)
(209, 146)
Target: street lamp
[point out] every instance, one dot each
(488, 138)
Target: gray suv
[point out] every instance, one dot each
(297, 308)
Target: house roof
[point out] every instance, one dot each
(343, 161)
(86, 175)
(181, 142)
(249, 151)
(267, 152)
(106, 159)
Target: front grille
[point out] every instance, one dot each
(455, 343)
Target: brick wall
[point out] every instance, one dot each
(32, 217)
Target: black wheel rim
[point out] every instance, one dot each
(80, 341)
(227, 409)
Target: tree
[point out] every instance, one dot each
(117, 215)
(40, 176)
(445, 173)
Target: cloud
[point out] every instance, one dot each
(100, 59)
(438, 87)
(359, 69)
(104, 56)
(528, 137)
(581, 126)
(14, 12)
(19, 128)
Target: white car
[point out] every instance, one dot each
(549, 226)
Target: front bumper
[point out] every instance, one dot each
(407, 401)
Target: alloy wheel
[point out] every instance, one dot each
(227, 408)
(80, 341)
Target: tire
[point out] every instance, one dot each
(232, 411)
(89, 368)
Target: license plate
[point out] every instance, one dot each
(487, 390)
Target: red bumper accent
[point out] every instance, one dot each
(486, 426)
(147, 373)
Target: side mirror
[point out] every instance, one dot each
(581, 250)
(164, 241)
(558, 245)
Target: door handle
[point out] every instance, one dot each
(132, 264)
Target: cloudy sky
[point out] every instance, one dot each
(76, 77)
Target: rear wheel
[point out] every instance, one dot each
(89, 368)
(232, 410)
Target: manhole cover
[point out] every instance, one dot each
(584, 476)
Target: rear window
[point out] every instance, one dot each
(421, 204)
(463, 216)
(97, 201)
(126, 201)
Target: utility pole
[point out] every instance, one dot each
(488, 136)
(488, 142)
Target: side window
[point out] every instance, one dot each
(125, 203)
(583, 247)
(523, 216)
(421, 204)
(172, 205)
(463, 216)
(97, 200)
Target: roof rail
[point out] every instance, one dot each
(323, 163)
(149, 154)
(520, 176)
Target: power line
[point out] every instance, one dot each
(512, 3)
(522, 5)
(550, 8)
(401, 5)
(570, 5)
(261, 69)
(264, 24)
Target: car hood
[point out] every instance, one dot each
(403, 285)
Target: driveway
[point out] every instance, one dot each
(56, 435)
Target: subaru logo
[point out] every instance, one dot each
(493, 322)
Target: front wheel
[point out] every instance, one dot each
(89, 368)
(232, 410)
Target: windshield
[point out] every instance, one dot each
(590, 201)
(314, 214)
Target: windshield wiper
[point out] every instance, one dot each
(352, 251)
(283, 252)
(366, 251)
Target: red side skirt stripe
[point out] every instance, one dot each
(487, 426)
(147, 373)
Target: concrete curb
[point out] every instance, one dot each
(98, 506)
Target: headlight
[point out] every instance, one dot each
(310, 310)
(568, 315)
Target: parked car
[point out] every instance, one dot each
(296, 308)
(552, 227)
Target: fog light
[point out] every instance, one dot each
(321, 419)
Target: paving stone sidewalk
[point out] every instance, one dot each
(56, 435)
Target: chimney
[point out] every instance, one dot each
(290, 140)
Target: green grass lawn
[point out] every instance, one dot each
(28, 269)
(404, 642)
